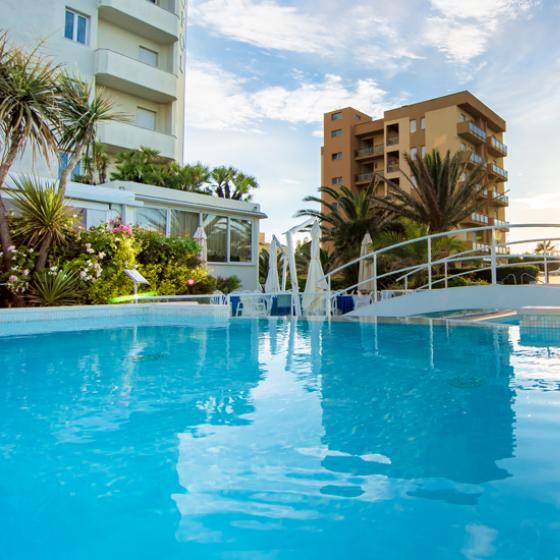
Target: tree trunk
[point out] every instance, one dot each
(5, 237)
(43, 253)
(77, 155)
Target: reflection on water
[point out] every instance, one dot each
(277, 439)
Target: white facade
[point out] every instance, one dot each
(134, 49)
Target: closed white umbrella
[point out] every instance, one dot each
(316, 283)
(200, 237)
(365, 273)
(272, 284)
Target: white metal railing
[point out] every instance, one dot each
(481, 218)
(487, 254)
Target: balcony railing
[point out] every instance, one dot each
(501, 198)
(480, 246)
(475, 158)
(498, 171)
(470, 131)
(370, 151)
(497, 146)
(479, 218)
(392, 167)
(364, 177)
(501, 223)
(392, 140)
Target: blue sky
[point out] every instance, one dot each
(261, 73)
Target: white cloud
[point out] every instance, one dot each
(265, 24)
(463, 29)
(218, 100)
(358, 30)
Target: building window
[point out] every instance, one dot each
(240, 240)
(336, 156)
(412, 125)
(76, 27)
(413, 153)
(63, 164)
(146, 118)
(423, 123)
(462, 117)
(148, 56)
(183, 223)
(423, 151)
(216, 228)
(336, 116)
(336, 181)
(153, 219)
(358, 117)
(336, 133)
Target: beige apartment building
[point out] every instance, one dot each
(133, 48)
(357, 146)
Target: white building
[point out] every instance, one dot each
(135, 50)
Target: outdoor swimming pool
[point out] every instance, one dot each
(278, 439)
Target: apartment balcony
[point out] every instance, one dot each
(500, 199)
(142, 18)
(495, 147)
(363, 178)
(483, 247)
(497, 173)
(501, 224)
(479, 219)
(131, 76)
(372, 151)
(392, 140)
(469, 131)
(392, 167)
(119, 136)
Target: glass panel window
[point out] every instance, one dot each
(336, 181)
(336, 155)
(76, 26)
(240, 237)
(423, 123)
(412, 125)
(183, 223)
(146, 118)
(423, 151)
(413, 153)
(95, 218)
(153, 219)
(216, 233)
(336, 133)
(336, 116)
(148, 56)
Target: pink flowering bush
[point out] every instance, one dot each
(18, 277)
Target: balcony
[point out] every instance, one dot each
(364, 178)
(392, 167)
(371, 151)
(392, 140)
(142, 18)
(501, 224)
(131, 76)
(471, 132)
(500, 199)
(497, 172)
(495, 147)
(479, 218)
(477, 246)
(125, 136)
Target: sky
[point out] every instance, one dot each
(261, 73)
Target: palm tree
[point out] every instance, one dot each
(28, 114)
(81, 111)
(545, 247)
(228, 182)
(242, 187)
(44, 218)
(348, 216)
(441, 192)
(221, 178)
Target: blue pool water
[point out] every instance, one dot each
(279, 440)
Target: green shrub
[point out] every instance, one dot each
(55, 287)
(156, 248)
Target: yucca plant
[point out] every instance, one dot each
(43, 218)
(81, 110)
(54, 287)
(29, 113)
(440, 192)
